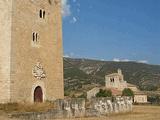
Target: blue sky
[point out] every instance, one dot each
(119, 30)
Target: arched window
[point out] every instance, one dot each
(112, 79)
(35, 37)
(42, 13)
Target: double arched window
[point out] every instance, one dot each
(42, 14)
(35, 37)
(112, 79)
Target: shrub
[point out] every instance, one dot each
(66, 93)
(104, 93)
(127, 92)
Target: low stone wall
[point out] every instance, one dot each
(106, 105)
(76, 108)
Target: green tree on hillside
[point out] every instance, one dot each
(104, 93)
(127, 92)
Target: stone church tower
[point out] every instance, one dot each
(115, 80)
(31, 67)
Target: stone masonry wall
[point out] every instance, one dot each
(5, 49)
(19, 53)
(77, 108)
(25, 53)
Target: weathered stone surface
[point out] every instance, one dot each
(107, 105)
(5, 49)
(75, 108)
(115, 80)
(19, 53)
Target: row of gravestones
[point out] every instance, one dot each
(96, 106)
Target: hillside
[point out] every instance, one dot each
(80, 72)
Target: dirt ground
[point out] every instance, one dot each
(139, 113)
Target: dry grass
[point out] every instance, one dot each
(14, 107)
(139, 113)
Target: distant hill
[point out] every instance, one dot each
(80, 72)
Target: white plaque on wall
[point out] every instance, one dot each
(38, 71)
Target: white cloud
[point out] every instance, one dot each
(127, 60)
(74, 20)
(142, 61)
(66, 11)
(116, 60)
(102, 59)
(121, 60)
(66, 55)
(69, 55)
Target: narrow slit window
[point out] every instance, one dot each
(44, 14)
(36, 37)
(33, 37)
(40, 13)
